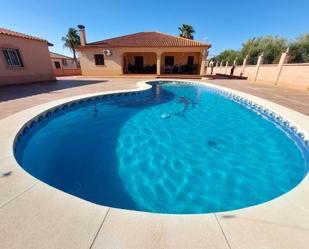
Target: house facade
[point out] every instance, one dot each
(23, 58)
(64, 65)
(142, 53)
(60, 61)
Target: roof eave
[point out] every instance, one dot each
(60, 58)
(27, 37)
(113, 46)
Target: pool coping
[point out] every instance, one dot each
(225, 229)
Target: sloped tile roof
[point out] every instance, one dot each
(8, 32)
(148, 39)
(59, 56)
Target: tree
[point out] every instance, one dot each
(71, 40)
(229, 55)
(271, 46)
(299, 50)
(186, 31)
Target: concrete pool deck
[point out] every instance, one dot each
(35, 215)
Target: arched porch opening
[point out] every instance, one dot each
(139, 63)
(180, 63)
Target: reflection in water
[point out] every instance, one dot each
(95, 111)
(158, 90)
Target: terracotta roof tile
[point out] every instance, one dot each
(148, 39)
(59, 56)
(8, 32)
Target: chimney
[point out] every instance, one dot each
(82, 35)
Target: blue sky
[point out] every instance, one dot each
(224, 24)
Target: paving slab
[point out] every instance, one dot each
(44, 217)
(299, 195)
(274, 225)
(127, 229)
(13, 182)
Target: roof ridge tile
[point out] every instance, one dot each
(149, 39)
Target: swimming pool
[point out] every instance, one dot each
(177, 148)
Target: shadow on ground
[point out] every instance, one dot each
(25, 90)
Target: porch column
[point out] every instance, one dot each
(203, 63)
(159, 63)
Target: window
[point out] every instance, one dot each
(12, 57)
(139, 61)
(64, 62)
(190, 60)
(99, 59)
(57, 64)
(169, 60)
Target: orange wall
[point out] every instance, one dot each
(221, 70)
(35, 57)
(114, 63)
(291, 75)
(295, 75)
(66, 71)
(250, 72)
(268, 73)
(237, 70)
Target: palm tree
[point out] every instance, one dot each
(71, 40)
(186, 31)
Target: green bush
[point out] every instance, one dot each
(229, 55)
(271, 46)
(299, 50)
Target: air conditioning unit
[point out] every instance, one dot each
(107, 52)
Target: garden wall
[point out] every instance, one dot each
(289, 75)
(66, 71)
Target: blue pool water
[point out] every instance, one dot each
(206, 153)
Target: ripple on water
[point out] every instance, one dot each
(213, 160)
(211, 155)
